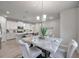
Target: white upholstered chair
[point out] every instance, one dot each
(63, 54)
(27, 52)
(19, 37)
(72, 48)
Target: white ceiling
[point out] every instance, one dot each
(28, 10)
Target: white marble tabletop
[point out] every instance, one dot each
(49, 44)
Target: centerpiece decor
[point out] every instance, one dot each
(43, 32)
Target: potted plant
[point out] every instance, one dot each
(43, 32)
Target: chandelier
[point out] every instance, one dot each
(43, 17)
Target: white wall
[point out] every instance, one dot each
(53, 27)
(78, 27)
(11, 25)
(36, 27)
(3, 27)
(68, 26)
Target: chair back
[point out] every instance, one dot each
(55, 44)
(25, 49)
(71, 49)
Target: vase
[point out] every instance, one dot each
(42, 37)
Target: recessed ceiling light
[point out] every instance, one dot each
(7, 12)
(38, 18)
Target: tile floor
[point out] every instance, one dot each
(10, 49)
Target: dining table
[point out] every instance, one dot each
(48, 44)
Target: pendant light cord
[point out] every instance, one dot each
(42, 14)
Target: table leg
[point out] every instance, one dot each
(46, 53)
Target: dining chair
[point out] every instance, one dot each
(19, 38)
(61, 53)
(55, 44)
(27, 52)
